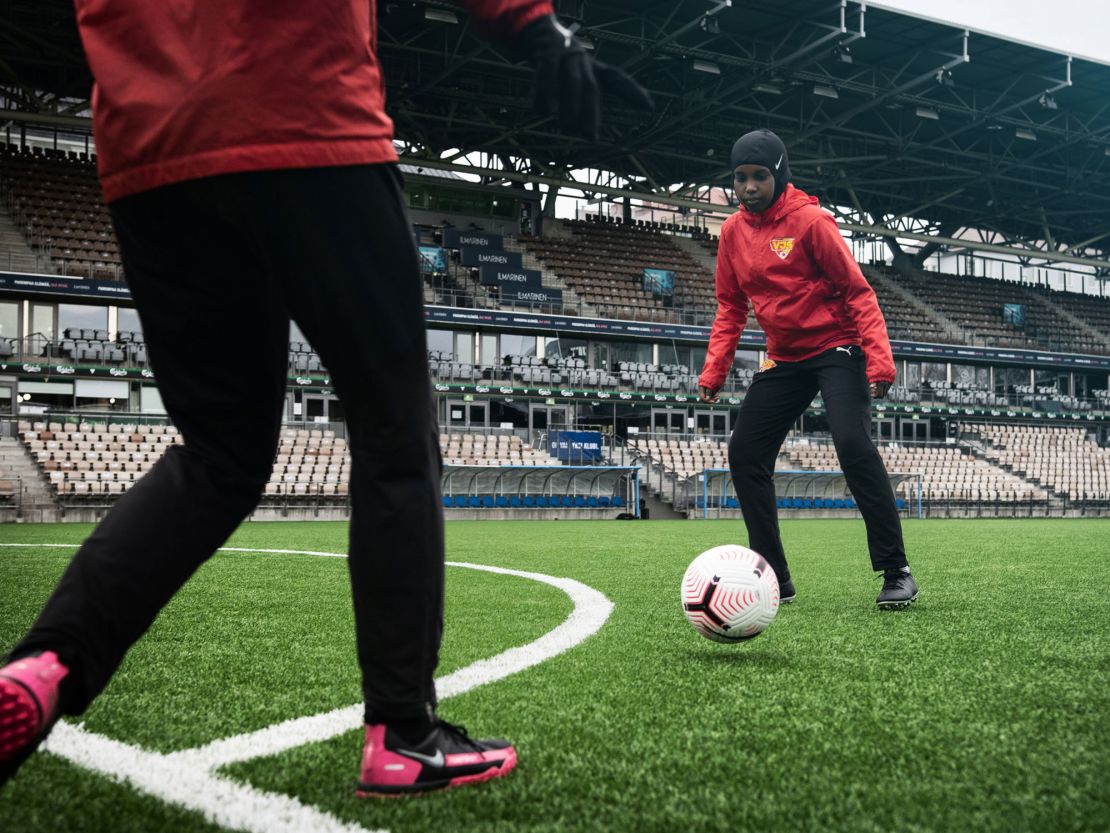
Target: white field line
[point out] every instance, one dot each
(591, 609)
(188, 778)
(220, 800)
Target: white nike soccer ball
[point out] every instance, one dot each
(730, 594)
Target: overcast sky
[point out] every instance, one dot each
(1070, 27)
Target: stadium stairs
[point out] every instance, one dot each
(603, 263)
(994, 471)
(1061, 460)
(15, 254)
(697, 250)
(671, 489)
(1060, 311)
(74, 471)
(53, 221)
(949, 332)
(656, 508)
(455, 287)
(53, 198)
(24, 493)
(571, 300)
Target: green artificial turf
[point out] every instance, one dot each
(985, 707)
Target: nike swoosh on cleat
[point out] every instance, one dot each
(430, 760)
(779, 162)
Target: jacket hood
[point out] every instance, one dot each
(791, 200)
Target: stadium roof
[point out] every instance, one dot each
(1063, 27)
(905, 123)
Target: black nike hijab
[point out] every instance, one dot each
(762, 147)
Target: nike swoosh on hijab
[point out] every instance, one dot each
(777, 164)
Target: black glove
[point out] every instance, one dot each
(879, 389)
(570, 81)
(710, 395)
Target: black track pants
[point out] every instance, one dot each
(217, 267)
(776, 399)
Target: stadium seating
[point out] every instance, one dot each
(94, 347)
(904, 321)
(1048, 398)
(54, 197)
(1059, 458)
(85, 346)
(450, 284)
(976, 305)
(96, 463)
(949, 473)
(86, 462)
(676, 229)
(472, 481)
(959, 393)
(682, 458)
(315, 463)
(55, 201)
(303, 358)
(476, 449)
(310, 463)
(569, 371)
(604, 264)
(1093, 311)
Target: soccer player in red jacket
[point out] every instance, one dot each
(783, 255)
(248, 164)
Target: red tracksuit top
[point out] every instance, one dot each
(807, 290)
(193, 89)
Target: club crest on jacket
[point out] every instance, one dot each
(782, 246)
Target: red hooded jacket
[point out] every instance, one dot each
(192, 89)
(809, 295)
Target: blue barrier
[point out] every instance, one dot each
(533, 501)
(797, 489)
(702, 502)
(541, 487)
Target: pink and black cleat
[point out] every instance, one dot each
(28, 707)
(448, 757)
